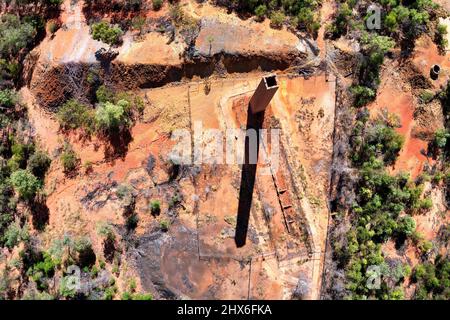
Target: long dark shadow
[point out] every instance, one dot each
(248, 176)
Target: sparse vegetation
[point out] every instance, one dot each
(378, 214)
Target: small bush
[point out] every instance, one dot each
(260, 12)
(406, 226)
(142, 296)
(15, 234)
(53, 27)
(132, 222)
(174, 201)
(111, 116)
(277, 19)
(15, 34)
(440, 138)
(39, 163)
(362, 95)
(104, 94)
(176, 13)
(138, 23)
(73, 115)
(155, 207)
(441, 36)
(8, 98)
(157, 4)
(105, 230)
(164, 225)
(87, 166)
(106, 33)
(124, 191)
(69, 159)
(426, 96)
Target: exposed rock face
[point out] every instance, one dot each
(247, 40)
(65, 59)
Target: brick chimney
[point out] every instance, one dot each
(264, 93)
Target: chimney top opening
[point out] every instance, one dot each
(271, 81)
(436, 68)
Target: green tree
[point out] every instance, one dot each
(25, 183)
(106, 33)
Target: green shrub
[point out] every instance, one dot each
(307, 19)
(138, 23)
(8, 98)
(164, 225)
(9, 69)
(391, 21)
(106, 33)
(73, 115)
(440, 138)
(111, 116)
(426, 96)
(406, 226)
(426, 204)
(132, 222)
(53, 27)
(174, 201)
(260, 12)
(157, 4)
(69, 159)
(124, 191)
(105, 230)
(15, 35)
(142, 296)
(176, 12)
(362, 95)
(104, 94)
(109, 293)
(441, 36)
(341, 24)
(39, 163)
(20, 153)
(66, 288)
(25, 183)
(155, 207)
(15, 234)
(277, 19)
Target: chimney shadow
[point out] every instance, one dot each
(248, 177)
